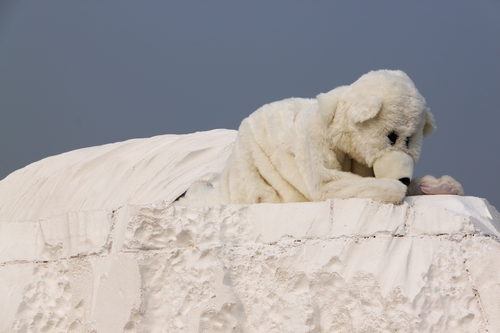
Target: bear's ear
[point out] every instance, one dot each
(430, 125)
(366, 109)
(327, 103)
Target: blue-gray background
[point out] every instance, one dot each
(75, 74)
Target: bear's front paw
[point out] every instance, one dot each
(429, 185)
(378, 189)
(389, 191)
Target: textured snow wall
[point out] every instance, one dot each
(128, 265)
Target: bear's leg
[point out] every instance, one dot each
(248, 187)
(242, 180)
(384, 190)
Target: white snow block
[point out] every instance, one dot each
(428, 265)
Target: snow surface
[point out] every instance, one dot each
(90, 242)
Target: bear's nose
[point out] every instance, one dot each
(405, 180)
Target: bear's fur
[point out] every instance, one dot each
(356, 141)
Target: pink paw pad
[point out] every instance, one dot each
(439, 188)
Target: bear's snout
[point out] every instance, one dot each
(395, 165)
(405, 180)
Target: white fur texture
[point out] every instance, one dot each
(315, 149)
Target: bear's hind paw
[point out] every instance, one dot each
(429, 185)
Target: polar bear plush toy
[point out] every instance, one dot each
(356, 141)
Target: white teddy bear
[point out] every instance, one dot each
(357, 141)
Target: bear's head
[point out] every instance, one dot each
(379, 121)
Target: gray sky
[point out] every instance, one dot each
(75, 74)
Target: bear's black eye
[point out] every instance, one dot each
(393, 137)
(407, 142)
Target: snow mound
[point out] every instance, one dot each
(90, 242)
(136, 171)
